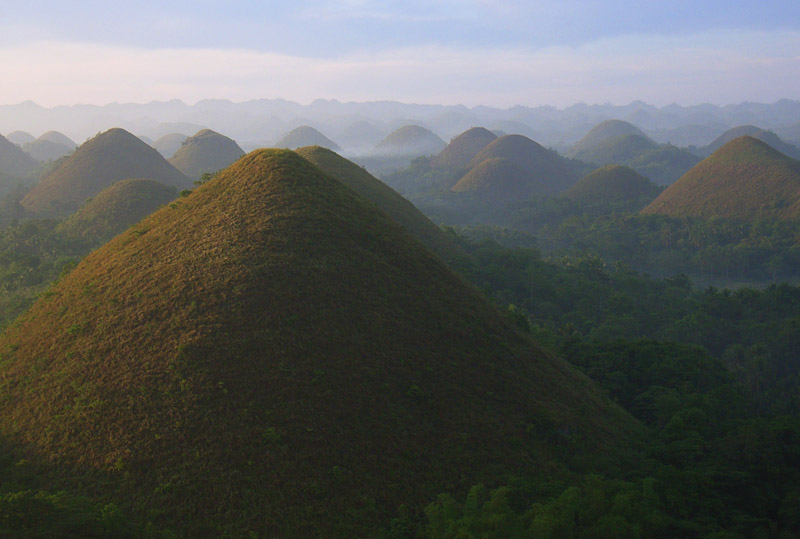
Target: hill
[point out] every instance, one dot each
(274, 355)
(743, 180)
(614, 185)
(514, 166)
(169, 144)
(58, 138)
(99, 163)
(617, 149)
(205, 151)
(14, 161)
(386, 198)
(410, 140)
(767, 137)
(460, 151)
(306, 136)
(117, 207)
(20, 137)
(608, 129)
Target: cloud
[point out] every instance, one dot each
(723, 67)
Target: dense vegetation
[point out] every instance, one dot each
(713, 374)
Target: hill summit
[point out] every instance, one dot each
(613, 184)
(205, 151)
(410, 140)
(463, 148)
(100, 162)
(744, 179)
(305, 136)
(273, 354)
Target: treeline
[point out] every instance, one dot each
(713, 375)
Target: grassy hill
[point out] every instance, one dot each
(170, 143)
(20, 137)
(410, 140)
(205, 151)
(58, 138)
(46, 150)
(460, 151)
(14, 161)
(617, 149)
(744, 179)
(386, 198)
(274, 354)
(99, 163)
(614, 185)
(609, 129)
(767, 137)
(117, 207)
(530, 168)
(306, 136)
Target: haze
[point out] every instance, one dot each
(478, 52)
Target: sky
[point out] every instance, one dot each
(470, 52)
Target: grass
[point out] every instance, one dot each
(743, 180)
(305, 136)
(463, 148)
(612, 183)
(107, 158)
(276, 355)
(206, 151)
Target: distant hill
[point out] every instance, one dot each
(169, 144)
(14, 161)
(49, 146)
(513, 167)
(744, 179)
(386, 198)
(410, 140)
(360, 136)
(20, 137)
(767, 137)
(460, 151)
(614, 185)
(586, 148)
(58, 138)
(117, 207)
(620, 143)
(205, 151)
(274, 354)
(306, 136)
(99, 163)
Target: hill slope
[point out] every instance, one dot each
(170, 143)
(205, 151)
(410, 140)
(767, 137)
(99, 163)
(608, 129)
(386, 198)
(14, 161)
(744, 179)
(305, 136)
(117, 207)
(514, 166)
(274, 354)
(463, 148)
(613, 184)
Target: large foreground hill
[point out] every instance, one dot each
(273, 354)
(744, 179)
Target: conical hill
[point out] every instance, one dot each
(545, 172)
(744, 179)
(386, 198)
(58, 138)
(274, 354)
(205, 151)
(117, 207)
(14, 161)
(463, 148)
(604, 130)
(170, 143)
(107, 158)
(410, 140)
(767, 137)
(305, 136)
(613, 184)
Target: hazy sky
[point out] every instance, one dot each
(490, 52)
